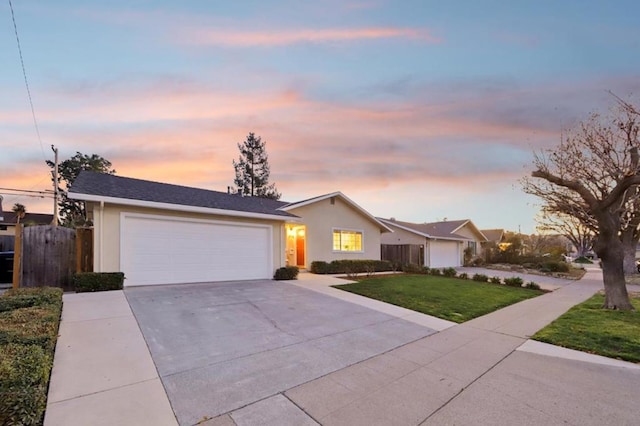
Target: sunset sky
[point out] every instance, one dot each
(419, 110)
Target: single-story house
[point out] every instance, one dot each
(495, 236)
(8, 221)
(158, 233)
(442, 243)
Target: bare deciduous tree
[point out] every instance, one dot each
(592, 175)
(581, 236)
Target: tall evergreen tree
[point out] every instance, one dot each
(252, 169)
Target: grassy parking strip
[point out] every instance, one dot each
(452, 299)
(29, 321)
(589, 328)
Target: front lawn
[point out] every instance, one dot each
(589, 328)
(452, 299)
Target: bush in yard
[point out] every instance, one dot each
(98, 281)
(556, 266)
(463, 276)
(496, 280)
(482, 278)
(513, 282)
(286, 273)
(583, 260)
(412, 268)
(350, 266)
(532, 286)
(24, 379)
(29, 323)
(435, 271)
(449, 272)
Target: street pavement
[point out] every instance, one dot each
(482, 372)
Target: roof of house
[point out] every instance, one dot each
(298, 204)
(9, 218)
(494, 235)
(436, 230)
(93, 186)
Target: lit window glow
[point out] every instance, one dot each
(347, 240)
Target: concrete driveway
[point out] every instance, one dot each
(222, 346)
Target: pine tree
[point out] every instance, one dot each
(252, 169)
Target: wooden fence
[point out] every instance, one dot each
(50, 255)
(404, 254)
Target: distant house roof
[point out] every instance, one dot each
(9, 218)
(445, 230)
(349, 201)
(494, 235)
(93, 186)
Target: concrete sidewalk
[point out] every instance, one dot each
(103, 373)
(482, 372)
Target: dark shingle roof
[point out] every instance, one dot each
(435, 229)
(105, 185)
(9, 218)
(494, 235)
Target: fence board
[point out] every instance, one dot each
(403, 254)
(84, 249)
(48, 256)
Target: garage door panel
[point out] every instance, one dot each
(444, 254)
(165, 251)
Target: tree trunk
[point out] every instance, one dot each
(629, 266)
(611, 252)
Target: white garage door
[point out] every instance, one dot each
(444, 254)
(161, 250)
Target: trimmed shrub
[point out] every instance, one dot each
(435, 271)
(449, 272)
(584, 260)
(463, 276)
(286, 273)
(350, 266)
(496, 280)
(24, 379)
(98, 281)
(28, 333)
(556, 266)
(513, 282)
(532, 286)
(412, 268)
(480, 278)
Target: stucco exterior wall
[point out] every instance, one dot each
(322, 217)
(107, 232)
(400, 237)
(467, 231)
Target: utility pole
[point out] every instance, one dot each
(55, 187)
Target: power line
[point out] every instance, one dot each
(26, 83)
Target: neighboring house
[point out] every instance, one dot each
(157, 233)
(495, 236)
(442, 243)
(8, 221)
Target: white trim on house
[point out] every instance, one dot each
(468, 222)
(345, 198)
(361, 231)
(180, 207)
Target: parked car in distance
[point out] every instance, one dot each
(6, 266)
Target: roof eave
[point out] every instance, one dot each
(180, 207)
(349, 201)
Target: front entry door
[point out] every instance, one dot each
(300, 257)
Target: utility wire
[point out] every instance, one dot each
(26, 83)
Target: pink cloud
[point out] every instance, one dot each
(288, 37)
